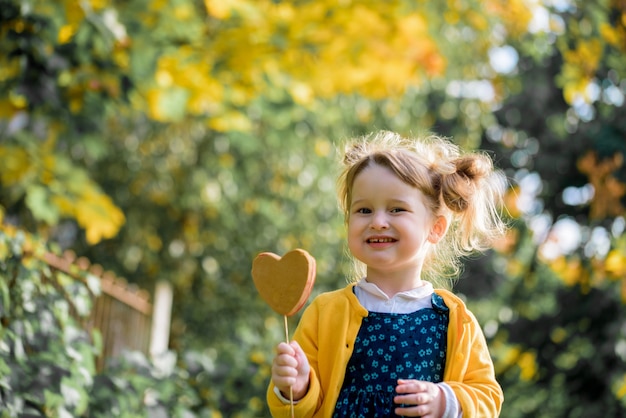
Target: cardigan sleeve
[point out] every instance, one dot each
(305, 407)
(326, 332)
(470, 372)
(306, 336)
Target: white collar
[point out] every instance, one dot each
(425, 290)
(372, 298)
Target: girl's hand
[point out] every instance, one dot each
(419, 399)
(290, 369)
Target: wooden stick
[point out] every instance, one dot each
(290, 387)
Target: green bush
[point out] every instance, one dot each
(47, 360)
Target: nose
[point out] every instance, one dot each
(379, 221)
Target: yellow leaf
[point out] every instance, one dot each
(511, 202)
(515, 14)
(615, 264)
(7, 110)
(121, 57)
(528, 365)
(584, 59)
(19, 101)
(163, 78)
(76, 104)
(157, 5)
(451, 16)
(620, 391)
(153, 97)
(610, 34)
(74, 13)
(64, 203)
(183, 12)
(9, 68)
(510, 357)
(4, 249)
(575, 88)
(98, 4)
(477, 20)
(569, 270)
(323, 147)
(99, 216)
(301, 93)
(16, 165)
(222, 9)
(258, 357)
(65, 33)
(230, 121)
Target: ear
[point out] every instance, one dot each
(438, 230)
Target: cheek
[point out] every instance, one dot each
(353, 233)
(354, 246)
(350, 230)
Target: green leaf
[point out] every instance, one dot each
(37, 202)
(5, 294)
(93, 282)
(74, 394)
(96, 337)
(173, 103)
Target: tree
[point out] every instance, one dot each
(557, 341)
(174, 140)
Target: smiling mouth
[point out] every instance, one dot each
(380, 240)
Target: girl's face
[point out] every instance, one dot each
(389, 227)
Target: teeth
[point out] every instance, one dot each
(380, 240)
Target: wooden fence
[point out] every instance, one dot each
(122, 313)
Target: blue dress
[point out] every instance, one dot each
(389, 347)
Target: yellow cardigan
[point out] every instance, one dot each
(328, 329)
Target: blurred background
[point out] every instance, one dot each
(170, 141)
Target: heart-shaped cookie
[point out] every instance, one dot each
(284, 283)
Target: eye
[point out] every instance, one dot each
(397, 210)
(363, 210)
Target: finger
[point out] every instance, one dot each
(283, 383)
(410, 386)
(296, 351)
(404, 388)
(284, 376)
(286, 360)
(415, 410)
(411, 411)
(411, 399)
(299, 353)
(284, 348)
(296, 347)
(285, 368)
(422, 398)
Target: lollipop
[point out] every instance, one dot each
(284, 283)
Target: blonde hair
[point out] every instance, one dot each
(464, 187)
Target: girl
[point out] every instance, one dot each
(389, 344)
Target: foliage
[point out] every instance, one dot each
(558, 342)
(174, 140)
(71, 70)
(51, 90)
(47, 360)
